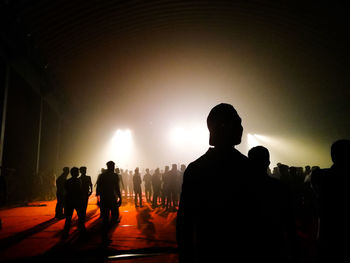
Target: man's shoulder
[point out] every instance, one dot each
(212, 155)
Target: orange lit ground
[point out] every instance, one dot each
(32, 233)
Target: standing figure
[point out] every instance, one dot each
(331, 186)
(60, 193)
(164, 189)
(108, 193)
(120, 179)
(74, 200)
(147, 178)
(156, 182)
(278, 231)
(203, 233)
(86, 186)
(130, 184)
(136, 179)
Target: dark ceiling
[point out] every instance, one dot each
(63, 32)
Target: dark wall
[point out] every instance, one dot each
(2, 86)
(21, 138)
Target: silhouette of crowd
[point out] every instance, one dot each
(291, 214)
(226, 202)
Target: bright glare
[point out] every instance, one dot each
(193, 136)
(252, 141)
(120, 148)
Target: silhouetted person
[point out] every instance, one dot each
(136, 179)
(147, 178)
(216, 221)
(121, 181)
(332, 188)
(156, 184)
(86, 186)
(278, 233)
(172, 187)
(60, 193)
(74, 200)
(164, 187)
(108, 192)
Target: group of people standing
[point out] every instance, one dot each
(73, 194)
(161, 188)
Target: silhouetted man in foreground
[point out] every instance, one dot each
(74, 200)
(332, 189)
(60, 193)
(108, 193)
(216, 221)
(278, 233)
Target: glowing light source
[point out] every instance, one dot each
(252, 141)
(120, 147)
(193, 136)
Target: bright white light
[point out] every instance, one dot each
(252, 141)
(191, 136)
(178, 136)
(120, 147)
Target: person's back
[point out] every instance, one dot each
(86, 183)
(73, 200)
(60, 193)
(215, 221)
(60, 183)
(277, 225)
(332, 188)
(107, 185)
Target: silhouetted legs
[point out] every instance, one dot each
(59, 206)
(69, 209)
(138, 195)
(108, 207)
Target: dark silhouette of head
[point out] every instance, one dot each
(225, 126)
(110, 166)
(66, 170)
(147, 170)
(259, 157)
(83, 170)
(174, 166)
(183, 167)
(340, 152)
(74, 171)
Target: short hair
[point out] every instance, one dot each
(74, 171)
(221, 121)
(340, 150)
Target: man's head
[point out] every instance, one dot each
(82, 170)
(340, 152)
(174, 166)
(66, 170)
(259, 156)
(74, 172)
(225, 126)
(110, 166)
